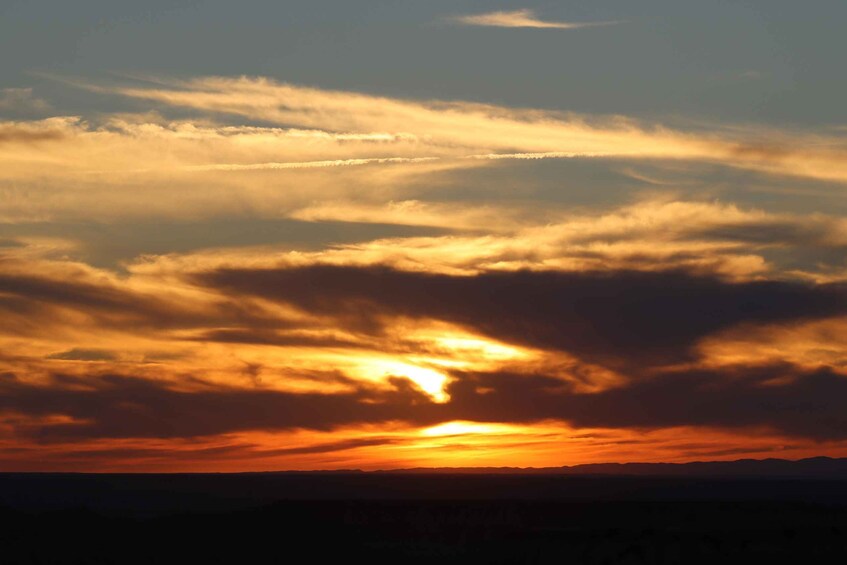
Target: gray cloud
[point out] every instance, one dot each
(624, 319)
(807, 404)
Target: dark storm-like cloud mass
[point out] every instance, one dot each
(635, 322)
(265, 337)
(31, 293)
(78, 354)
(38, 298)
(810, 404)
(614, 318)
(118, 406)
(650, 316)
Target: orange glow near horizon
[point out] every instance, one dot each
(452, 444)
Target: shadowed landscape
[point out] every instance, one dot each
(778, 510)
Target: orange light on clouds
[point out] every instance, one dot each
(248, 274)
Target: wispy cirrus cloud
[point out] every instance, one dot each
(524, 18)
(338, 146)
(463, 129)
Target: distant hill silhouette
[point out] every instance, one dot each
(814, 480)
(814, 467)
(747, 511)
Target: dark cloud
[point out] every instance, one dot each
(621, 319)
(39, 297)
(116, 406)
(266, 337)
(147, 452)
(617, 318)
(807, 245)
(811, 404)
(146, 458)
(807, 404)
(78, 354)
(329, 447)
(771, 232)
(636, 322)
(239, 450)
(30, 292)
(702, 452)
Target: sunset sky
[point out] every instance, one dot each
(327, 234)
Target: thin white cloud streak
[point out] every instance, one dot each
(524, 18)
(417, 213)
(468, 128)
(536, 156)
(309, 164)
(380, 161)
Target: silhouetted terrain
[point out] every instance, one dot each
(813, 467)
(736, 515)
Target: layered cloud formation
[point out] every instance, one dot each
(248, 274)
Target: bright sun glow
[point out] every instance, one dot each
(429, 380)
(488, 349)
(461, 428)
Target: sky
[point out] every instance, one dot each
(394, 234)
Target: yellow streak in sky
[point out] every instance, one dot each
(467, 428)
(429, 380)
(524, 18)
(307, 164)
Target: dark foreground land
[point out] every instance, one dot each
(420, 518)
